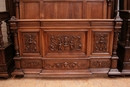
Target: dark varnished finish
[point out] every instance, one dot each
(6, 49)
(123, 50)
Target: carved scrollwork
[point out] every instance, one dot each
(100, 64)
(30, 42)
(65, 65)
(65, 43)
(101, 40)
(31, 63)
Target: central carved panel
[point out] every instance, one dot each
(65, 43)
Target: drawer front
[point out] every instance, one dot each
(127, 55)
(3, 68)
(100, 63)
(66, 64)
(126, 65)
(31, 63)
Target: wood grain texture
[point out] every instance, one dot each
(65, 38)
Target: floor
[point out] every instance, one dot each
(95, 81)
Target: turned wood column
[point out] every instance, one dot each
(1, 37)
(118, 23)
(17, 9)
(109, 9)
(13, 27)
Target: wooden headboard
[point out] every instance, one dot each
(64, 9)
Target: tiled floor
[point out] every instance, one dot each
(100, 81)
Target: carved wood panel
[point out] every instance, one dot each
(102, 42)
(30, 42)
(65, 43)
(100, 63)
(66, 64)
(28, 63)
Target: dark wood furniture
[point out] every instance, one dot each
(6, 48)
(65, 37)
(124, 4)
(123, 50)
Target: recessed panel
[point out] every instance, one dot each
(102, 42)
(30, 43)
(63, 9)
(67, 43)
(31, 10)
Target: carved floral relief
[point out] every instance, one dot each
(31, 63)
(65, 43)
(100, 64)
(100, 42)
(65, 65)
(30, 42)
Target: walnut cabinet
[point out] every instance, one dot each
(65, 37)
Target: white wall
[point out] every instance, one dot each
(2, 5)
(4, 30)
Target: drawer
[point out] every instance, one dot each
(3, 68)
(65, 64)
(127, 55)
(31, 63)
(126, 65)
(100, 63)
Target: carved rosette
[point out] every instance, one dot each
(100, 42)
(65, 43)
(100, 64)
(30, 42)
(65, 65)
(31, 63)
